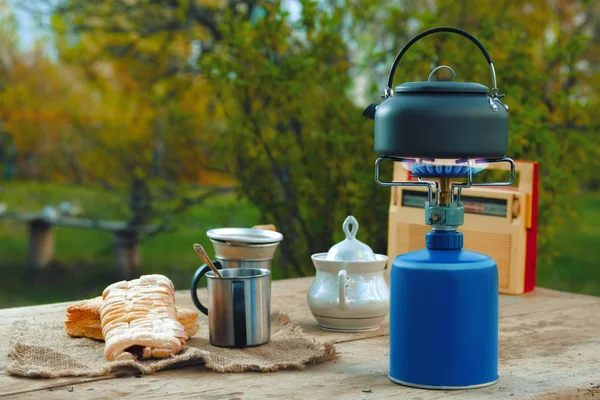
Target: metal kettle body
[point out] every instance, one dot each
(433, 125)
(430, 119)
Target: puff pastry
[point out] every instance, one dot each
(139, 319)
(83, 319)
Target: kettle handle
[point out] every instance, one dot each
(390, 92)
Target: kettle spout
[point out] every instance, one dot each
(369, 112)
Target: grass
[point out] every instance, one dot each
(84, 264)
(577, 268)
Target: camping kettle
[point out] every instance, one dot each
(427, 119)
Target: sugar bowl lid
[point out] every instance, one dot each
(350, 249)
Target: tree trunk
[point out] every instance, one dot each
(127, 254)
(41, 245)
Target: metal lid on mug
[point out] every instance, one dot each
(244, 236)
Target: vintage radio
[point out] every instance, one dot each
(499, 222)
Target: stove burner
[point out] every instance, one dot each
(443, 171)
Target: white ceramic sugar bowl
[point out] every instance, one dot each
(349, 292)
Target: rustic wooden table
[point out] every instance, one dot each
(549, 349)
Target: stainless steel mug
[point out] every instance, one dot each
(239, 306)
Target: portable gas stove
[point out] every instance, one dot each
(443, 299)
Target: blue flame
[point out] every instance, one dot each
(443, 171)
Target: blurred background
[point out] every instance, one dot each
(131, 127)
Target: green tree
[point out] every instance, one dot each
(283, 127)
(123, 104)
(546, 58)
(278, 99)
(299, 146)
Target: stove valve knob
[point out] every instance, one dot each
(437, 217)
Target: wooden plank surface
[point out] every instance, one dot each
(549, 346)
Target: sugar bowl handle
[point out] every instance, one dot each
(350, 222)
(342, 289)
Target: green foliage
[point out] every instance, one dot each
(575, 268)
(544, 57)
(300, 148)
(276, 101)
(304, 155)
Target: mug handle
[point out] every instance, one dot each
(200, 272)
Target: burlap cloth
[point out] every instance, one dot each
(40, 350)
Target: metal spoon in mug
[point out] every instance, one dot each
(200, 251)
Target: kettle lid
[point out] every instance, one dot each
(441, 87)
(350, 249)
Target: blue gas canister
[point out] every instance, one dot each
(444, 316)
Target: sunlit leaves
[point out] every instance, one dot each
(171, 88)
(545, 65)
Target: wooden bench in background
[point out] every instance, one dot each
(41, 238)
